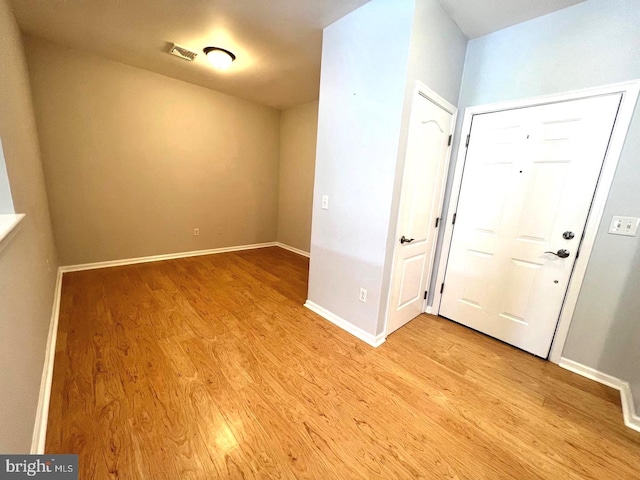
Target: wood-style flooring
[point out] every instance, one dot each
(210, 368)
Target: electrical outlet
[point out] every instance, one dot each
(325, 202)
(627, 226)
(196, 232)
(363, 295)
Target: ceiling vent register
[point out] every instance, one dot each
(182, 52)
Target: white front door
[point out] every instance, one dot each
(529, 178)
(428, 149)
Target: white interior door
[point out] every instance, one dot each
(529, 178)
(424, 177)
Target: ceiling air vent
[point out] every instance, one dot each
(182, 52)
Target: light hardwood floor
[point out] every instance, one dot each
(210, 367)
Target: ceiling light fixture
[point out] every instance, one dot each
(219, 57)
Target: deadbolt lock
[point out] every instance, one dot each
(568, 235)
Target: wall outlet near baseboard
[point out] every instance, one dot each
(363, 295)
(196, 232)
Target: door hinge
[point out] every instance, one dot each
(437, 222)
(468, 138)
(454, 219)
(425, 294)
(442, 288)
(450, 139)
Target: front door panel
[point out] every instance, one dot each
(529, 176)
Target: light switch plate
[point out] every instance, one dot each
(627, 226)
(325, 202)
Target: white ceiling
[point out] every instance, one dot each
(277, 42)
(479, 17)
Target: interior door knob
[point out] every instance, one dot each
(562, 253)
(404, 240)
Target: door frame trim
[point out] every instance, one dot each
(629, 91)
(419, 90)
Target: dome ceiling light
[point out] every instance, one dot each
(219, 57)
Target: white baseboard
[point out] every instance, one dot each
(373, 340)
(631, 417)
(42, 412)
(293, 249)
(158, 258)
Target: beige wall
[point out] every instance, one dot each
(26, 284)
(134, 161)
(298, 131)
